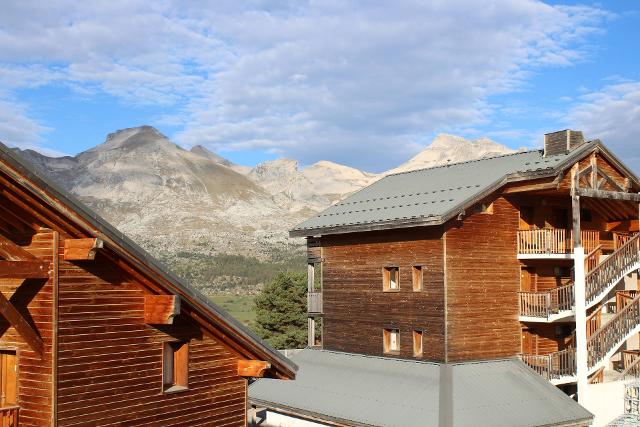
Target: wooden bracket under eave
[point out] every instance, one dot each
(161, 309)
(82, 249)
(252, 368)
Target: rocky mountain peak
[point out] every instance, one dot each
(135, 138)
(452, 149)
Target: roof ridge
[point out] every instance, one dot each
(479, 159)
(372, 356)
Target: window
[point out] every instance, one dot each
(391, 340)
(175, 366)
(527, 214)
(390, 279)
(417, 278)
(486, 208)
(417, 343)
(8, 378)
(585, 215)
(562, 272)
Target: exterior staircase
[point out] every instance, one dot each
(609, 333)
(602, 277)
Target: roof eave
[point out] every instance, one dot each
(577, 154)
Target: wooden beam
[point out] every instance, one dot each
(622, 225)
(530, 187)
(613, 195)
(81, 249)
(594, 171)
(610, 180)
(575, 206)
(161, 309)
(252, 368)
(12, 252)
(24, 269)
(20, 324)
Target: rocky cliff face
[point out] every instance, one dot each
(184, 205)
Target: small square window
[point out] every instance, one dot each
(585, 215)
(417, 343)
(175, 366)
(417, 278)
(391, 340)
(391, 279)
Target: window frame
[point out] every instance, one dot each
(418, 334)
(386, 340)
(175, 366)
(485, 208)
(417, 270)
(386, 278)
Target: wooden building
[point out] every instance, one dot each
(532, 254)
(94, 331)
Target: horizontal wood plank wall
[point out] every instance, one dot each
(483, 278)
(356, 310)
(110, 361)
(34, 372)
(546, 336)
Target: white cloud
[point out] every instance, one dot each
(356, 82)
(613, 116)
(16, 128)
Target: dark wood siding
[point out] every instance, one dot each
(356, 310)
(110, 361)
(483, 278)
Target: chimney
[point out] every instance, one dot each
(562, 141)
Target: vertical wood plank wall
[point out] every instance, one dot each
(110, 361)
(483, 278)
(356, 310)
(34, 373)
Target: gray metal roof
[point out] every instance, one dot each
(375, 391)
(433, 195)
(127, 248)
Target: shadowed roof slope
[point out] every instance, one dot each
(377, 391)
(433, 195)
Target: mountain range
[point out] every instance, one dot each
(189, 206)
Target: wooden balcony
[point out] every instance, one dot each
(555, 367)
(9, 416)
(545, 242)
(314, 303)
(548, 305)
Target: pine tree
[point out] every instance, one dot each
(281, 311)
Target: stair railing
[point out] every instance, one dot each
(631, 371)
(611, 333)
(610, 269)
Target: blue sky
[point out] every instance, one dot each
(367, 84)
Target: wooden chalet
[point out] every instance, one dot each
(532, 255)
(94, 331)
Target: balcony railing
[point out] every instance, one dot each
(546, 241)
(9, 416)
(314, 302)
(553, 366)
(547, 303)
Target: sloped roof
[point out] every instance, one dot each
(433, 195)
(93, 225)
(375, 391)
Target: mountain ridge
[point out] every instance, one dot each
(184, 205)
